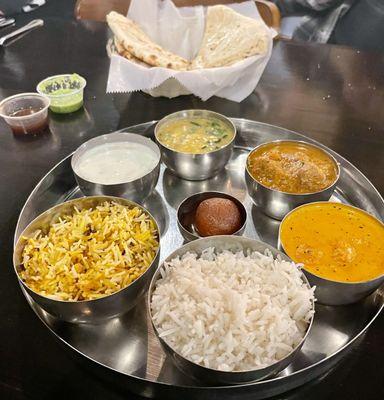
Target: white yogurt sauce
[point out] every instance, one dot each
(114, 163)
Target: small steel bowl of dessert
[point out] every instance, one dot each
(337, 266)
(197, 163)
(91, 309)
(209, 214)
(277, 203)
(117, 164)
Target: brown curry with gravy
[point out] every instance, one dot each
(292, 167)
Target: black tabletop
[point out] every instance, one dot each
(329, 93)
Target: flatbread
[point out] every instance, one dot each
(126, 54)
(118, 45)
(229, 37)
(134, 40)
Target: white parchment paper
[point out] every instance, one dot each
(180, 30)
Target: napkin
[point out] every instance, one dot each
(181, 30)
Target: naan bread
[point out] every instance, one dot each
(126, 54)
(229, 37)
(121, 49)
(134, 40)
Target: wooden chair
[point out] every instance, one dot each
(96, 10)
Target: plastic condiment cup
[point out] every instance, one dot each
(65, 91)
(25, 113)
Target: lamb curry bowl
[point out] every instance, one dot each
(292, 167)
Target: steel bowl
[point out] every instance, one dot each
(195, 167)
(187, 210)
(136, 190)
(335, 293)
(277, 204)
(209, 375)
(86, 311)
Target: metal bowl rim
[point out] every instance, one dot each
(116, 133)
(228, 373)
(318, 276)
(106, 198)
(302, 142)
(168, 117)
(213, 192)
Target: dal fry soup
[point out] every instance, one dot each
(195, 135)
(335, 241)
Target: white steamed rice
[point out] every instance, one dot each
(231, 312)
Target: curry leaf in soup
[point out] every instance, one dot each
(217, 132)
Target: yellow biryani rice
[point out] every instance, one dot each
(91, 253)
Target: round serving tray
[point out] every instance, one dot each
(125, 350)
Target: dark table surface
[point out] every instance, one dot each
(332, 94)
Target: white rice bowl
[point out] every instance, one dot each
(230, 311)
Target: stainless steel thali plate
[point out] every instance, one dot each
(125, 349)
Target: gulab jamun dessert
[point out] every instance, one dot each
(217, 216)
